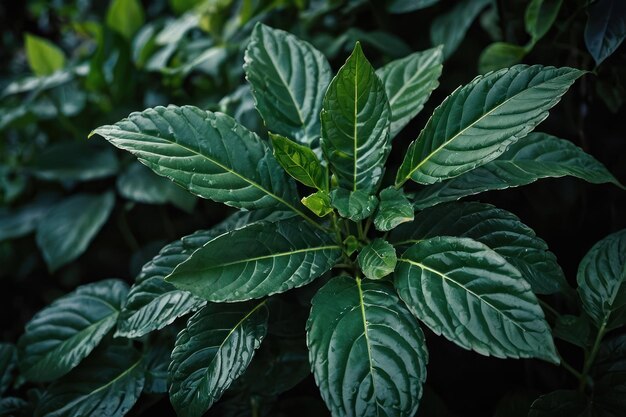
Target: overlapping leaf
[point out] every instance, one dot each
(394, 209)
(300, 162)
(71, 161)
(462, 289)
(478, 121)
(606, 28)
(377, 259)
(367, 352)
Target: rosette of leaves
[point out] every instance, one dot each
(388, 263)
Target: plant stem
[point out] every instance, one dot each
(591, 357)
(549, 308)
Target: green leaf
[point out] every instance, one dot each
(449, 29)
(318, 203)
(125, 17)
(157, 362)
(72, 161)
(602, 281)
(561, 403)
(609, 395)
(606, 28)
(13, 406)
(255, 261)
(208, 153)
(462, 289)
(107, 384)
(367, 352)
(138, 183)
(214, 349)
(71, 225)
(573, 329)
(500, 55)
(499, 229)
(61, 335)
(611, 356)
(288, 78)
(477, 122)
(540, 16)
(407, 6)
(408, 82)
(353, 205)
(355, 124)
(300, 162)
(23, 220)
(536, 156)
(377, 259)
(394, 209)
(351, 244)
(43, 56)
(8, 362)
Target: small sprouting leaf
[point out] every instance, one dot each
(300, 162)
(408, 82)
(8, 362)
(449, 29)
(318, 203)
(257, 260)
(288, 78)
(602, 281)
(125, 17)
(353, 205)
(71, 225)
(500, 55)
(478, 121)
(540, 16)
(43, 56)
(606, 28)
(467, 292)
(361, 329)
(394, 209)
(61, 335)
(72, 161)
(378, 259)
(355, 125)
(351, 244)
(213, 350)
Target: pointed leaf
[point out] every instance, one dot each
(44, 57)
(214, 349)
(256, 261)
(8, 363)
(602, 281)
(355, 124)
(408, 82)
(394, 209)
(499, 229)
(462, 289)
(61, 335)
(288, 78)
(300, 162)
(125, 17)
(449, 29)
(367, 352)
(540, 16)
(477, 122)
(606, 28)
(378, 259)
(353, 205)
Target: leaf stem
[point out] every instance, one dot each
(591, 357)
(549, 308)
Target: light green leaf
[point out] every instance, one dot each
(394, 209)
(407, 6)
(208, 153)
(377, 259)
(60, 336)
(74, 161)
(107, 384)
(355, 124)
(467, 292)
(125, 17)
(500, 55)
(602, 281)
(43, 56)
(138, 183)
(536, 156)
(351, 244)
(215, 348)
(477, 122)
(318, 203)
(288, 78)
(300, 162)
(408, 82)
(540, 16)
(257, 260)
(606, 28)
(367, 351)
(8, 363)
(449, 29)
(71, 225)
(499, 229)
(353, 205)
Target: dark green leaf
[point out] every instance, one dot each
(351, 244)
(394, 209)
(561, 403)
(462, 289)
(500, 55)
(318, 203)
(540, 16)
(611, 356)
(477, 122)
(125, 17)
(407, 6)
(515, 404)
(536, 156)
(377, 259)
(573, 329)
(14, 407)
(367, 352)
(300, 162)
(449, 29)
(44, 57)
(355, 124)
(499, 229)
(8, 362)
(23, 220)
(353, 205)
(609, 395)
(606, 28)
(74, 161)
(408, 82)
(256, 261)
(60, 336)
(602, 281)
(157, 361)
(213, 351)
(71, 225)
(288, 78)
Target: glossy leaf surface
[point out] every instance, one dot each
(378, 259)
(394, 209)
(606, 28)
(300, 162)
(353, 205)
